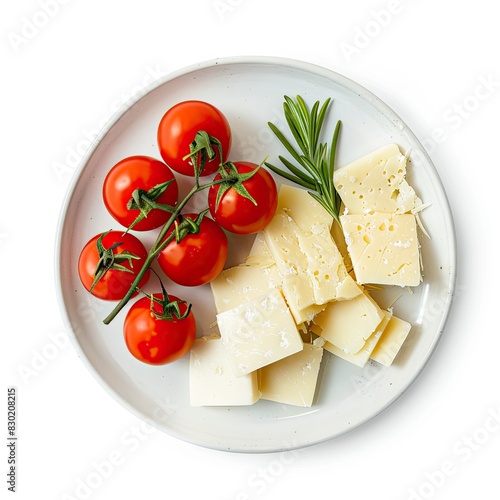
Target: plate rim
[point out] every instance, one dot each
(296, 64)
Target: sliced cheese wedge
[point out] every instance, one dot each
(211, 378)
(293, 379)
(391, 341)
(240, 284)
(376, 183)
(311, 259)
(348, 324)
(306, 212)
(258, 333)
(384, 248)
(361, 357)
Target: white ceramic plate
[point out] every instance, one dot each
(250, 93)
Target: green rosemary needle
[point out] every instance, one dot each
(316, 161)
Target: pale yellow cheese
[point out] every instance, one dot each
(283, 244)
(325, 266)
(256, 277)
(348, 324)
(259, 254)
(384, 248)
(302, 208)
(298, 292)
(258, 333)
(391, 341)
(310, 263)
(239, 284)
(339, 239)
(376, 183)
(211, 378)
(282, 241)
(361, 357)
(293, 379)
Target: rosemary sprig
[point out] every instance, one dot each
(316, 161)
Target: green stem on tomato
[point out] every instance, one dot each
(161, 242)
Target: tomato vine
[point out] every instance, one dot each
(229, 177)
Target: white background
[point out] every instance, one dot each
(67, 70)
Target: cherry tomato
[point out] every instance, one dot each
(197, 258)
(139, 173)
(129, 252)
(238, 214)
(158, 341)
(178, 128)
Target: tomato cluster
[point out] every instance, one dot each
(141, 194)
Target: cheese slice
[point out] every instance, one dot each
(281, 237)
(361, 357)
(325, 266)
(293, 379)
(384, 248)
(258, 333)
(211, 378)
(391, 341)
(299, 292)
(256, 277)
(298, 204)
(376, 183)
(339, 239)
(259, 254)
(240, 284)
(310, 260)
(348, 324)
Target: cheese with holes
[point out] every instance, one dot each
(391, 341)
(376, 183)
(293, 379)
(348, 324)
(281, 237)
(384, 248)
(361, 357)
(309, 259)
(256, 277)
(258, 333)
(211, 378)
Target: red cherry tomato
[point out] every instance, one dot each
(197, 258)
(239, 214)
(158, 341)
(114, 283)
(178, 128)
(139, 173)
